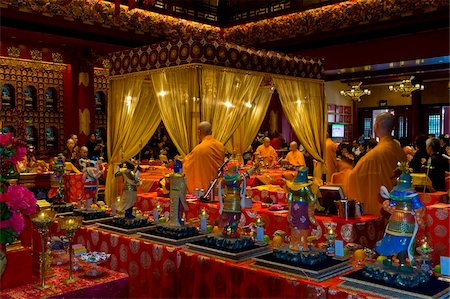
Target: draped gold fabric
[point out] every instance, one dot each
(219, 86)
(133, 117)
(251, 122)
(303, 103)
(177, 93)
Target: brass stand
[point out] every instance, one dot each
(70, 225)
(42, 220)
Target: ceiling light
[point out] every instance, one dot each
(355, 92)
(228, 104)
(162, 93)
(406, 87)
(248, 105)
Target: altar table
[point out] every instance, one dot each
(157, 271)
(111, 285)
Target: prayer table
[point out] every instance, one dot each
(110, 285)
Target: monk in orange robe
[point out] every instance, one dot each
(376, 168)
(331, 162)
(201, 164)
(295, 157)
(266, 152)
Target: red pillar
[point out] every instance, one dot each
(83, 111)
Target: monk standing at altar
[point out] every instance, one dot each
(201, 164)
(376, 168)
(266, 152)
(295, 157)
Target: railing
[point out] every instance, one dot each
(226, 12)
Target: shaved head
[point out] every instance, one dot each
(204, 129)
(293, 146)
(384, 123)
(266, 141)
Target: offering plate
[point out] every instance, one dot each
(231, 249)
(94, 258)
(314, 265)
(92, 216)
(125, 226)
(432, 289)
(172, 235)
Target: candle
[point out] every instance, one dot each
(260, 234)
(155, 215)
(203, 220)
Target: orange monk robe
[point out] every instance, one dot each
(201, 164)
(295, 158)
(268, 154)
(330, 158)
(374, 170)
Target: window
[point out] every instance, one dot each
(402, 126)
(367, 126)
(434, 124)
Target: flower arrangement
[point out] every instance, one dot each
(15, 201)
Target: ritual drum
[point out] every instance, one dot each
(73, 187)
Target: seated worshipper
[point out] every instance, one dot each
(331, 162)
(419, 160)
(266, 153)
(295, 157)
(437, 164)
(69, 153)
(94, 148)
(376, 168)
(201, 164)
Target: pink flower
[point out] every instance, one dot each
(16, 222)
(19, 198)
(5, 138)
(18, 154)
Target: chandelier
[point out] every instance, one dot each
(356, 92)
(406, 87)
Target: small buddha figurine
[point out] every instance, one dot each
(6, 97)
(28, 97)
(130, 183)
(177, 195)
(407, 213)
(233, 200)
(301, 209)
(91, 174)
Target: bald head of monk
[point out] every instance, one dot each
(384, 123)
(293, 146)
(204, 129)
(266, 142)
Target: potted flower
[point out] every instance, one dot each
(15, 201)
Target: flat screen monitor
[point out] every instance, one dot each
(330, 193)
(337, 130)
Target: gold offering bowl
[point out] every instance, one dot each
(70, 223)
(43, 219)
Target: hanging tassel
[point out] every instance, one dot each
(131, 4)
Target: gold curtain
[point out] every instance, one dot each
(177, 94)
(220, 86)
(251, 122)
(133, 117)
(303, 102)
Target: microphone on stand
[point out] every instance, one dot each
(204, 198)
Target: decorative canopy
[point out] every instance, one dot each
(198, 50)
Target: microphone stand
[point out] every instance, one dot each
(204, 198)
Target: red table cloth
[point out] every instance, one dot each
(18, 268)
(429, 199)
(152, 268)
(437, 230)
(110, 285)
(73, 187)
(205, 277)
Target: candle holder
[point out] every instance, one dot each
(42, 221)
(70, 225)
(203, 220)
(259, 229)
(424, 261)
(330, 243)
